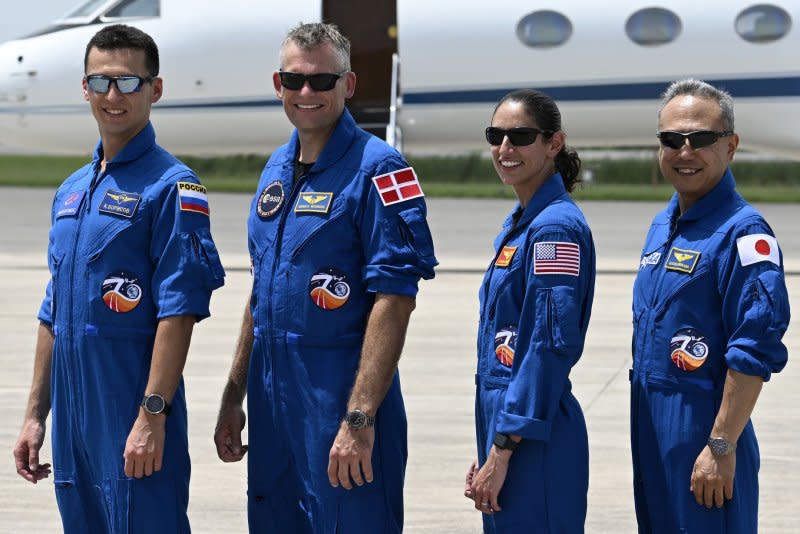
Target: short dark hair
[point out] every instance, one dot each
(119, 36)
(545, 113)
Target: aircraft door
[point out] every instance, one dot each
(371, 27)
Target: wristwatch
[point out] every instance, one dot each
(154, 404)
(356, 419)
(721, 446)
(504, 441)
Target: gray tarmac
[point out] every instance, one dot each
(437, 369)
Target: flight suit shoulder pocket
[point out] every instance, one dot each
(205, 250)
(556, 310)
(414, 230)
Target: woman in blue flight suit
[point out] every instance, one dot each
(532, 471)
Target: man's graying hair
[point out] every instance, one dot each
(701, 89)
(316, 34)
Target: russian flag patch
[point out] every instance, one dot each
(193, 197)
(398, 186)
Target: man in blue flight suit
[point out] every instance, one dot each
(709, 310)
(133, 266)
(338, 240)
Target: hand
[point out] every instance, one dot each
(144, 449)
(712, 478)
(351, 454)
(488, 481)
(473, 469)
(228, 433)
(26, 452)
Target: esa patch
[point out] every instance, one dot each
(651, 259)
(329, 289)
(313, 202)
(556, 257)
(193, 197)
(505, 257)
(688, 349)
(121, 291)
(71, 204)
(120, 203)
(270, 200)
(505, 343)
(682, 260)
(758, 247)
(398, 186)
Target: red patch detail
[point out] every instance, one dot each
(384, 182)
(406, 175)
(762, 247)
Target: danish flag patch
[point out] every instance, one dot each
(397, 186)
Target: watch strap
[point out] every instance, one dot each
(504, 442)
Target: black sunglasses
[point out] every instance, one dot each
(100, 83)
(323, 81)
(698, 139)
(517, 136)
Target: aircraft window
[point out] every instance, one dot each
(545, 28)
(763, 23)
(86, 9)
(653, 26)
(134, 8)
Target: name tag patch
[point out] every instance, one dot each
(505, 257)
(120, 203)
(313, 202)
(71, 204)
(682, 260)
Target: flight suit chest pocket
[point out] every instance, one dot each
(101, 230)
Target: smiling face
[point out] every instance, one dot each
(693, 173)
(314, 113)
(525, 168)
(120, 117)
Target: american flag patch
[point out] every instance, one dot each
(556, 257)
(398, 186)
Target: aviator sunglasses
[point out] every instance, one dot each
(100, 83)
(323, 81)
(697, 139)
(517, 136)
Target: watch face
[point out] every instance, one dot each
(357, 419)
(154, 404)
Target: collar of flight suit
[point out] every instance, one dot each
(336, 147)
(551, 189)
(717, 199)
(141, 143)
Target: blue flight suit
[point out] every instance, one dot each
(535, 304)
(127, 248)
(321, 248)
(700, 309)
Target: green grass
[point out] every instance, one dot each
(447, 176)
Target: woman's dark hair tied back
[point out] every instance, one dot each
(543, 110)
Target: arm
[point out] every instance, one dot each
(383, 342)
(144, 448)
(231, 418)
(712, 476)
(31, 437)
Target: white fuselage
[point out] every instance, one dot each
(456, 57)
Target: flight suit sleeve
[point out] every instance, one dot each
(397, 243)
(755, 302)
(187, 265)
(45, 314)
(552, 327)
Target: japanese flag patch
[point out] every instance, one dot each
(758, 247)
(193, 197)
(398, 186)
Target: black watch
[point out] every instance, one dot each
(154, 404)
(504, 441)
(356, 419)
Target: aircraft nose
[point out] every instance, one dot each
(13, 74)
